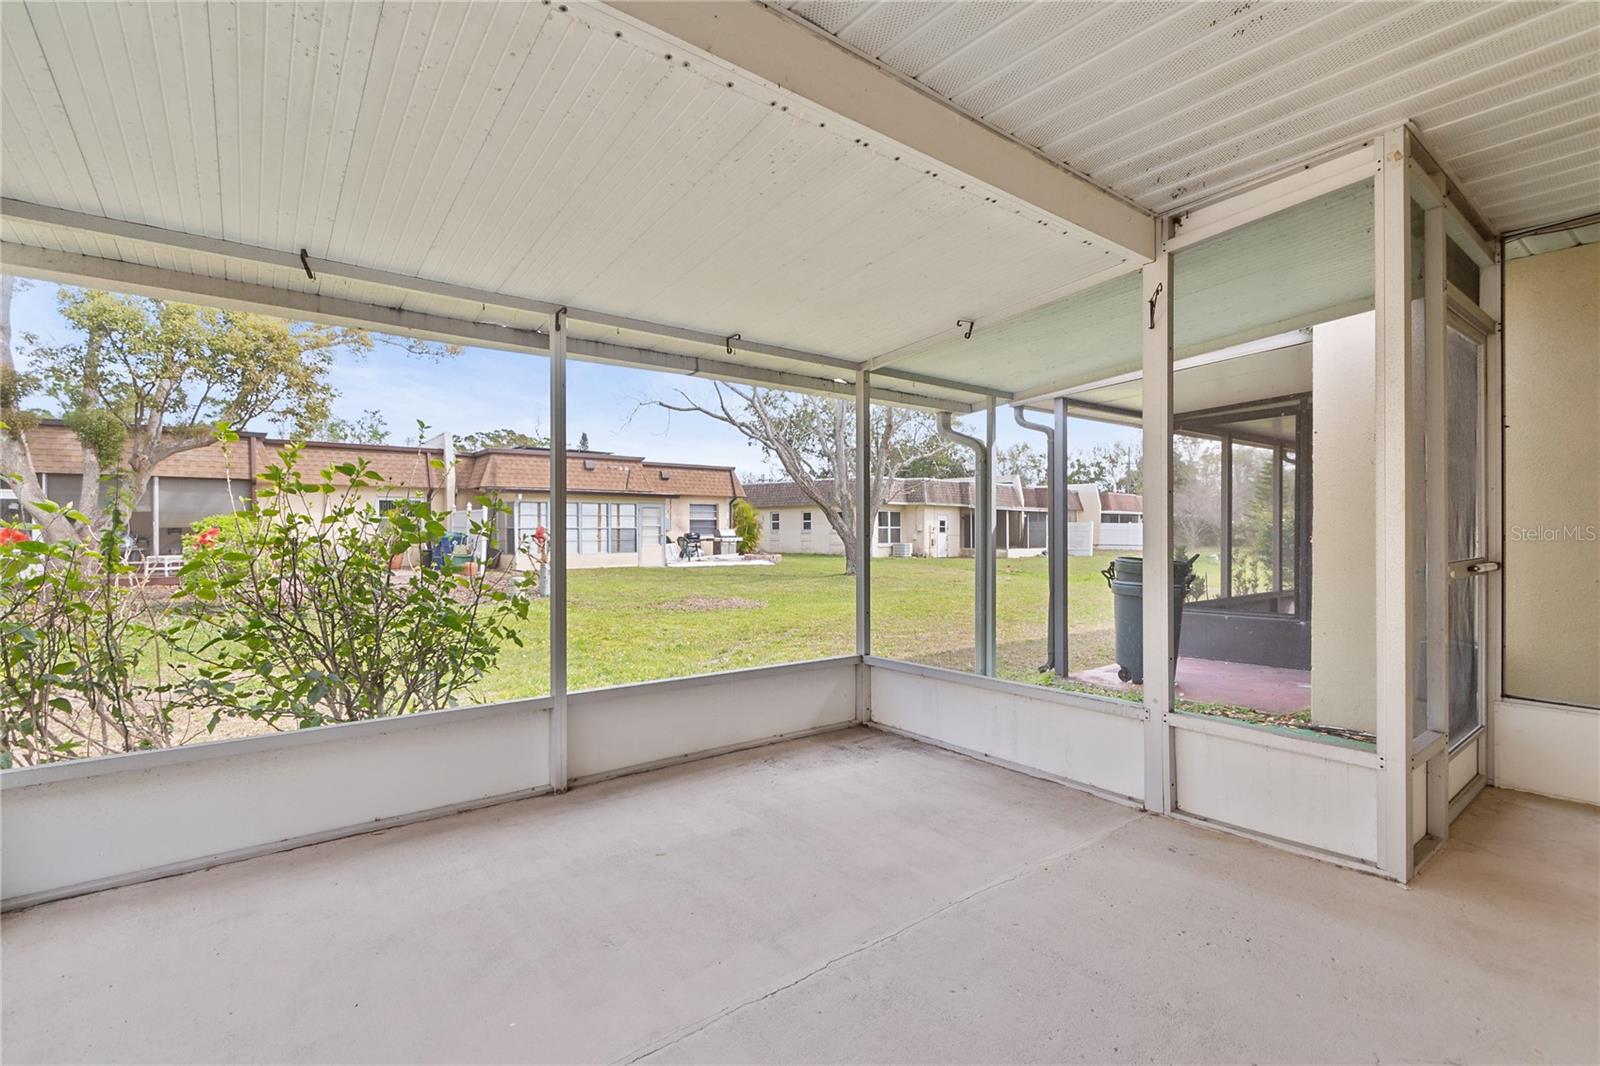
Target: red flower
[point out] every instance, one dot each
(12, 535)
(540, 535)
(208, 539)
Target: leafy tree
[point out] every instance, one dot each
(500, 438)
(583, 442)
(369, 427)
(305, 621)
(1196, 493)
(150, 379)
(1112, 467)
(1021, 461)
(813, 439)
(747, 524)
(947, 461)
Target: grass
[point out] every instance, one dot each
(633, 624)
(630, 624)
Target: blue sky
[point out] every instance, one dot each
(483, 389)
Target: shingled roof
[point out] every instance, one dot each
(936, 491)
(56, 450)
(528, 470)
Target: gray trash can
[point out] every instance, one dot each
(1125, 575)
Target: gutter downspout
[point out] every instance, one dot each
(983, 573)
(1056, 538)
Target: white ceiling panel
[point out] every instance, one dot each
(1310, 263)
(523, 149)
(1172, 104)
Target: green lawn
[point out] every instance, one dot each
(630, 624)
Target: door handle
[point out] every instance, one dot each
(1473, 567)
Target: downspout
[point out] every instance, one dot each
(983, 550)
(1055, 545)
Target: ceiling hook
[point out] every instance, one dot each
(560, 319)
(728, 341)
(305, 262)
(969, 323)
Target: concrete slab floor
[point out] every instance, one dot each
(851, 897)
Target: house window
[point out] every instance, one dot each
(530, 515)
(774, 521)
(583, 528)
(703, 519)
(888, 527)
(805, 521)
(1125, 518)
(602, 528)
(622, 527)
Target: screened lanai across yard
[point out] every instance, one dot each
(1269, 242)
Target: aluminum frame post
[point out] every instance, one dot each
(990, 576)
(1055, 532)
(558, 551)
(866, 522)
(1396, 487)
(983, 536)
(1159, 653)
(1436, 518)
(1060, 550)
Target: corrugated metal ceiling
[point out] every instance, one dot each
(1172, 103)
(522, 149)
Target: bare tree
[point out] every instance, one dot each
(813, 439)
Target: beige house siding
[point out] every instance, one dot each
(791, 538)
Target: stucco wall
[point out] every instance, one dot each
(791, 538)
(1343, 517)
(1552, 476)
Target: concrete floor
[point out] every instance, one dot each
(854, 896)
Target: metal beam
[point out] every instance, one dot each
(941, 383)
(1159, 652)
(175, 240)
(1396, 488)
(802, 59)
(72, 268)
(1055, 534)
(1436, 520)
(1059, 532)
(866, 522)
(558, 552)
(983, 536)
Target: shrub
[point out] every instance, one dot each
(309, 623)
(73, 627)
(747, 524)
(233, 529)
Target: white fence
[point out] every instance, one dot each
(1080, 538)
(1121, 535)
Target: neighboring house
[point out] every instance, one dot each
(621, 510)
(1103, 521)
(928, 516)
